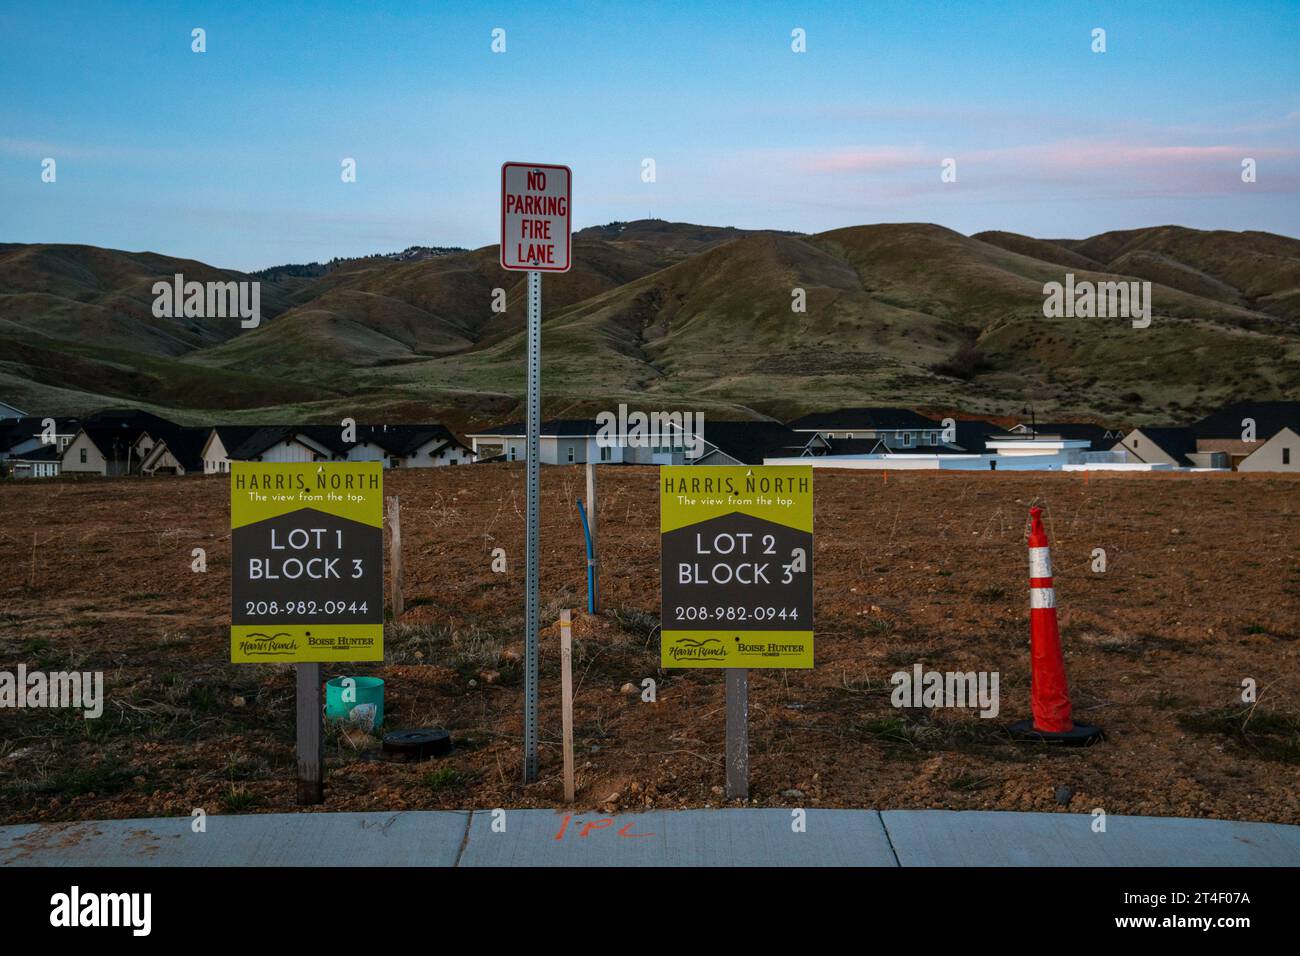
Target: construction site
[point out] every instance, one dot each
(1178, 599)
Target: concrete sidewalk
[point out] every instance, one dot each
(659, 838)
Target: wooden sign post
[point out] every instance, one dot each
(397, 576)
(566, 693)
(737, 733)
(310, 735)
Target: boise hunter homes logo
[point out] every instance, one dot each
(626, 429)
(208, 300)
(58, 689)
(76, 908)
(1101, 300)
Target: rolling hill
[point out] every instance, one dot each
(674, 315)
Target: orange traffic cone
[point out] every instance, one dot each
(1049, 691)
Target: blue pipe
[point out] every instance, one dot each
(591, 562)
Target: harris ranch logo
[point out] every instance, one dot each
(208, 300)
(269, 645)
(1102, 300)
(692, 650)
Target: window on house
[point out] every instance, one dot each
(1286, 456)
(83, 456)
(570, 453)
(934, 438)
(907, 439)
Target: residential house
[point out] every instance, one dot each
(571, 441)
(179, 452)
(1173, 445)
(1229, 430)
(1099, 438)
(289, 444)
(408, 446)
(895, 427)
(1279, 453)
(21, 436)
(43, 461)
(141, 429)
(97, 450)
(752, 442)
(220, 440)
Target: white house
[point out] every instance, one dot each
(898, 428)
(408, 446)
(1279, 453)
(577, 441)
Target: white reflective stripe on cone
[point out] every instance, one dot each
(1040, 562)
(1042, 597)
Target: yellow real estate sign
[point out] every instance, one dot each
(736, 566)
(307, 564)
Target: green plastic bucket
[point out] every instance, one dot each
(368, 690)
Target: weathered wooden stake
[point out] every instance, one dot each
(566, 692)
(311, 735)
(737, 733)
(397, 576)
(591, 525)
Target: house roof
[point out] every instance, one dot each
(862, 418)
(750, 442)
(552, 427)
(133, 420)
(16, 430)
(43, 453)
(1270, 418)
(1102, 438)
(260, 439)
(403, 439)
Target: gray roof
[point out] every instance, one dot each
(878, 418)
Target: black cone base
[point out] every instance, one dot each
(1082, 735)
(417, 744)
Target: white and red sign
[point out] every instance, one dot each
(535, 205)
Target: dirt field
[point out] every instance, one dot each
(1201, 591)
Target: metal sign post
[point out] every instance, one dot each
(535, 238)
(530, 599)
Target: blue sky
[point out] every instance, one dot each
(233, 156)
